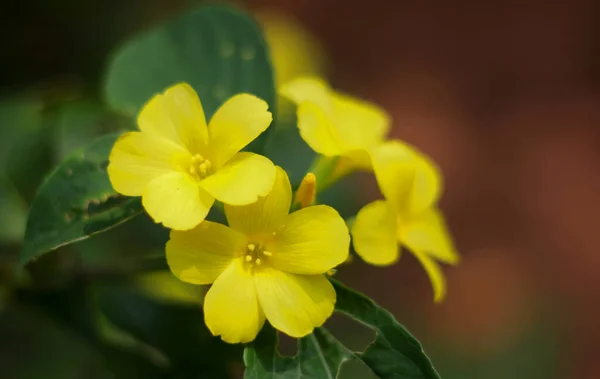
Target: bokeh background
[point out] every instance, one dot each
(504, 95)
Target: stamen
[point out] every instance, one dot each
(256, 256)
(192, 170)
(203, 168)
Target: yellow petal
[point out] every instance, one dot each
(317, 130)
(241, 180)
(231, 307)
(177, 115)
(267, 214)
(360, 124)
(333, 123)
(406, 177)
(427, 186)
(428, 233)
(394, 167)
(294, 304)
(176, 201)
(200, 255)
(137, 158)
(313, 241)
(236, 123)
(309, 89)
(374, 233)
(436, 276)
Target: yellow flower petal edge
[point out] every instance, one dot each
(138, 158)
(335, 124)
(266, 264)
(242, 180)
(427, 232)
(309, 89)
(406, 177)
(313, 240)
(374, 234)
(231, 307)
(176, 115)
(435, 274)
(267, 214)
(239, 121)
(175, 200)
(317, 130)
(202, 263)
(179, 165)
(294, 304)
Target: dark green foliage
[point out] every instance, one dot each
(76, 201)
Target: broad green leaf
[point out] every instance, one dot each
(218, 50)
(319, 355)
(394, 354)
(75, 201)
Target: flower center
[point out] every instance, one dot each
(256, 256)
(200, 167)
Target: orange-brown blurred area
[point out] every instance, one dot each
(503, 95)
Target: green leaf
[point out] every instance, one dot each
(394, 354)
(319, 355)
(218, 50)
(75, 201)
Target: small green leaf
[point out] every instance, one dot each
(218, 50)
(394, 354)
(75, 201)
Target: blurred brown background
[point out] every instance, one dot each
(503, 95)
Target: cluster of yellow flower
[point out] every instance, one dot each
(269, 263)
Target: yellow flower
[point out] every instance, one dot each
(409, 216)
(334, 124)
(267, 264)
(179, 165)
